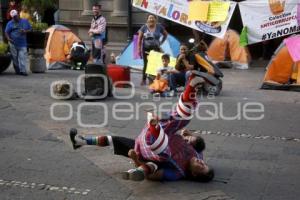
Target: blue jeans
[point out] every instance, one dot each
(19, 55)
(97, 50)
(177, 79)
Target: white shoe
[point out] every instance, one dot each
(133, 174)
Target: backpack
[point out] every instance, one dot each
(79, 53)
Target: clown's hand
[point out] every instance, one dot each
(135, 158)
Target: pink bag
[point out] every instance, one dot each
(136, 54)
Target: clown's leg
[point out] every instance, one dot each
(183, 113)
(189, 94)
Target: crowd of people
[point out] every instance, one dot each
(150, 37)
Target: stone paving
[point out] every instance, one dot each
(252, 159)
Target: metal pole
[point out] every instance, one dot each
(129, 21)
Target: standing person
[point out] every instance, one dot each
(97, 33)
(149, 39)
(15, 33)
(6, 7)
(12, 5)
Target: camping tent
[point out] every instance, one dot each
(170, 46)
(282, 72)
(59, 43)
(229, 49)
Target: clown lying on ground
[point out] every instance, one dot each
(159, 152)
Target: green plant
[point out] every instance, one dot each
(39, 26)
(3, 48)
(40, 5)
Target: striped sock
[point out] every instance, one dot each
(189, 93)
(97, 140)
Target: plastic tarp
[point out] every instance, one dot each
(170, 46)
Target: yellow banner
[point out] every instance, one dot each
(155, 62)
(212, 11)
(198, 10)
(218, 11)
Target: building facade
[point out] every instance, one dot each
(77, 15)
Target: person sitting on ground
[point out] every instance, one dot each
(199, 48)
(160, 83)
(79, 55)
(183, 64)
(159, 143)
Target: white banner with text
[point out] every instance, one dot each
(178, 11)
(269, 19)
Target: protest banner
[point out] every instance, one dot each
(178, 11)
(266, 20)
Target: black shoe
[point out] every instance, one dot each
(207, 77)
(73, 133)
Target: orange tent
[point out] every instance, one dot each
(229, 49)
(282, 72)
(59, 43)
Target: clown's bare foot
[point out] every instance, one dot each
(133, 155)
(185, 132)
